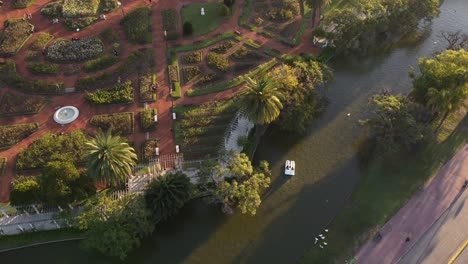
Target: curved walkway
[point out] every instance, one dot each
(419, 214)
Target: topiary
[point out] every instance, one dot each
(188, 28)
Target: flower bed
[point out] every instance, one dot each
(192, 57)
(52, 10)
(9, 76)
(176, 90)
(81, 23)
(52, 147)
(122, 123)
(100, 63)
(15, 34)
(173, 73)
(19, 4)
(41, 41)
(147, 82)
(137, 25)
(208, 78)
(42, 68)
(190, 72)
(147, 119)
(12, 104)
(244, 53)
(217, 62)
(11, 135)
(170, 23)
(149, 149)
(108, 6)
(223, 47)
(66, 51)
(122, 93)
(77, 8)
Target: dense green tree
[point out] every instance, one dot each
(55, 181)
(225, 11)
(167, 194)
(188, 28)
(442, 84)
(317, 4)
(115, 227)
(229, 2)
(394, 123)
(25, 190)
(109, 158)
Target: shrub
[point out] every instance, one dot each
(65, 51)
(18, 4)
(191, 72)
(3, 162)
(218, 62)
(173, 73)
(12, 104)
(77, 8)
(33, 56)
(109, 36)
(244, 53)
(122, 123)
(91, 82)
(51, 147)
(15, 34)
(25, 190)
(188, 28)
(223, 47)
(137, 25)
(81, 23)
(192, 57)
(52, 10)
(224, 11)
(9, 76)
(122, 93)
(176, 91)
(149, 149)
(100, 63)
(41, 41)
(207, 78)
(12, 134)
(147, 119)
(108, 6)
(229, 2)
(42, 68)
(147, 82)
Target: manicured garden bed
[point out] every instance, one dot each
(244, 53)
(101, 63)
(19, 4)
(147, 119)
(203, 24)
(122, 93)
(42, 68)
(122, 123)
(190, 72)
(137, 25)
(176, 90)
(147, 93)
(12, 104)
(148, 149)
(78, 23)
(223, 47)
(9, 76)
(217, 62)
(14, 36)
(41, 41)
(192, 57)
(67, 51)
(12, 134)
(79, 8)
(52, 147)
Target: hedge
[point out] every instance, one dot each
(9, 76)
(14, 36)
(19, 4)
(100, 63)
(12, 134)
(122, 93)
(41, 41)
(12, 104)
(176, 91)
(245, 15)
(137, 25)
(147, 119)
(42, 68)
(122, 123)
(262, 69)
(52, 147)
(52, 10)
(204, 44)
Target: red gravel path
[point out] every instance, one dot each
(163, 104)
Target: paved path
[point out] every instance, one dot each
(417, 216)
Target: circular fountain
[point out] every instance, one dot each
(66, 115)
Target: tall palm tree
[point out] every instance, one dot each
(317, 4)
(261, 101)
(167, 194)
(109, 158)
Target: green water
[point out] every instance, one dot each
(295, 209)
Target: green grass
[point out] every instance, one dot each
(38, 237)
(202, 24)
(387, 184)
(41, 41)
(176, 91)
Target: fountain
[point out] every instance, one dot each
(66, 115)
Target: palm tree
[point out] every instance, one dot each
(261, 101)
(167, 194)
(109, 158)
(317, 4)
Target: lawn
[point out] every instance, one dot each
(202, 24)
(387, 184)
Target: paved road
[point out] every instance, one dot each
(419, 214)
(444, 238)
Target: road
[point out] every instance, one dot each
(444, 239)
